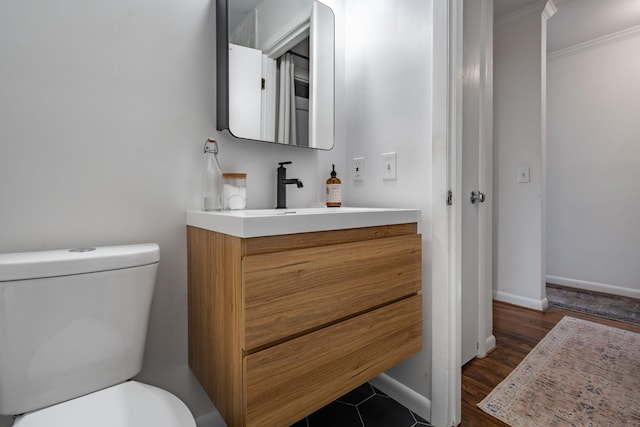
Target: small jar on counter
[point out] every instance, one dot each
(234, 190)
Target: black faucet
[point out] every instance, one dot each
(282, 185)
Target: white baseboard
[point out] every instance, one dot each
(594, 286)
(540, 305)
(489, 345)
(404, 395)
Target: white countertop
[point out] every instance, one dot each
(272, 222)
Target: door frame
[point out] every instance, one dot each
(446, 372)
(445, 290)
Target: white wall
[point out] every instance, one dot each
(593, 207)
(276, 18)
(104, 110)
(388, 80)
(518, 210)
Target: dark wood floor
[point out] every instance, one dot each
(517, 331)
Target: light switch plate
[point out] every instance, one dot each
(523, 175)
(389, 166)
(357, 168)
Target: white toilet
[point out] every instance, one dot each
(73, 325)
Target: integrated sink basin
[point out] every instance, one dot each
(272, 222)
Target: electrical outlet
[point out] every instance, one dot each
(389, 166)
(357, 168)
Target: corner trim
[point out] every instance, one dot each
(404, 395)
(550, 9)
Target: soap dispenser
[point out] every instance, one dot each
(334, 190)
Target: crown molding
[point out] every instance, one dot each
(597, 42)
(550, 9)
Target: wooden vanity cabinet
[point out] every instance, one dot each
(280, 326)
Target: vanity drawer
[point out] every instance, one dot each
(293, 292)
(289, 381)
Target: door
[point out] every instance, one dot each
(245, 91)
(476, 172)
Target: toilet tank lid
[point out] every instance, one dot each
(63, 262)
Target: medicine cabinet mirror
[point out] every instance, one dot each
(275, 71)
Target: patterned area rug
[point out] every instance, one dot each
(601, 305)
(580, 374)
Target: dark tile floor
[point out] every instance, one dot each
(602, 305)
(366, 406)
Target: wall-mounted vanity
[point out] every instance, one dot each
(289, 310)
(275, 71)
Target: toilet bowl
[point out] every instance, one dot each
(73, 325)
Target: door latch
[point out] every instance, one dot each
(477, 196)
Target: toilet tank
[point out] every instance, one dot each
(72, 322)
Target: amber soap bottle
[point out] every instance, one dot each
(334, 190)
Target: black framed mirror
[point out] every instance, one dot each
(275, 71)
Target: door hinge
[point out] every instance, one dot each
(264, 84)
(449, 198)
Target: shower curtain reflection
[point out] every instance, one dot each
(286, 101)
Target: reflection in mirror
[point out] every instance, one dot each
(276, 71)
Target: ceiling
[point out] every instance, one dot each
(578, 21)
